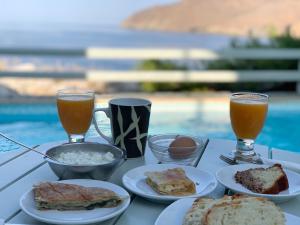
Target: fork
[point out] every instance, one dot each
(234, 161)
(288, 165)
(228, 160)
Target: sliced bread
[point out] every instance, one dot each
(271, 180)
(201, 206)
(250, 211)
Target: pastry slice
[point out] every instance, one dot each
(62, 196)
(271, 180)
(171, 182)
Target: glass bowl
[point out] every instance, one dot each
(160, 147)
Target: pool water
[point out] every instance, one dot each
(35, 124)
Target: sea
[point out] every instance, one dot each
(103, 36)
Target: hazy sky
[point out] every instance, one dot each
(94, 12)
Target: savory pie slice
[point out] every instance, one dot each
(62, 196)
(171, 182)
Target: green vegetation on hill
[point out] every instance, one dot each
(285, 40)
(282, 41)
(164, 65)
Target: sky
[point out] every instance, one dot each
(79, 12)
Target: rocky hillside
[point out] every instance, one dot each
(237, 17)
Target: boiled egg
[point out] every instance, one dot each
(182, 147)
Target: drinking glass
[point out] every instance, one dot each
(247, 114)
(75, 110)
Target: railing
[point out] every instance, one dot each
(203, 76)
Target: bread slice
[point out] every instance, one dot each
(233, 210)
(199, 208)
(271, 180)
(202, 205)
(249, 211)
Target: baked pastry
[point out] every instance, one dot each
(271, 180)
(171, 182)
(234, 210)
(62, 196)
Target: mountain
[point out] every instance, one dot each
(237, 17)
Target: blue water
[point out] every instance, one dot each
(35, 124)
(110, 36)
(97, 37)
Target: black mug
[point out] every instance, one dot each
(129, 121)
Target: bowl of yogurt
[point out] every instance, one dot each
(84, 160)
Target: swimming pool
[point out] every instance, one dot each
(35, 124)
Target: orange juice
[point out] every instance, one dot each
(247, 117)
(75, 112)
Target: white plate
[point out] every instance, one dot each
(76, 216)
(135, 181)
(226, 177)
(174, 213)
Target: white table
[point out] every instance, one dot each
(19, 170)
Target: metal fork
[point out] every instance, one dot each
(234, 160)
(287, 165)
(228, 160)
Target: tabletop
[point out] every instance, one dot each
(19, 170)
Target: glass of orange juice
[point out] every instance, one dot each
(248, 112)
(75, 109)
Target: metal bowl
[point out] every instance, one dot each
(98, 171)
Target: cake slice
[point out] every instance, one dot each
(270, 180)
(171, 182)
(247, 211)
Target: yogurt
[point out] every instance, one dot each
(85, 158)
